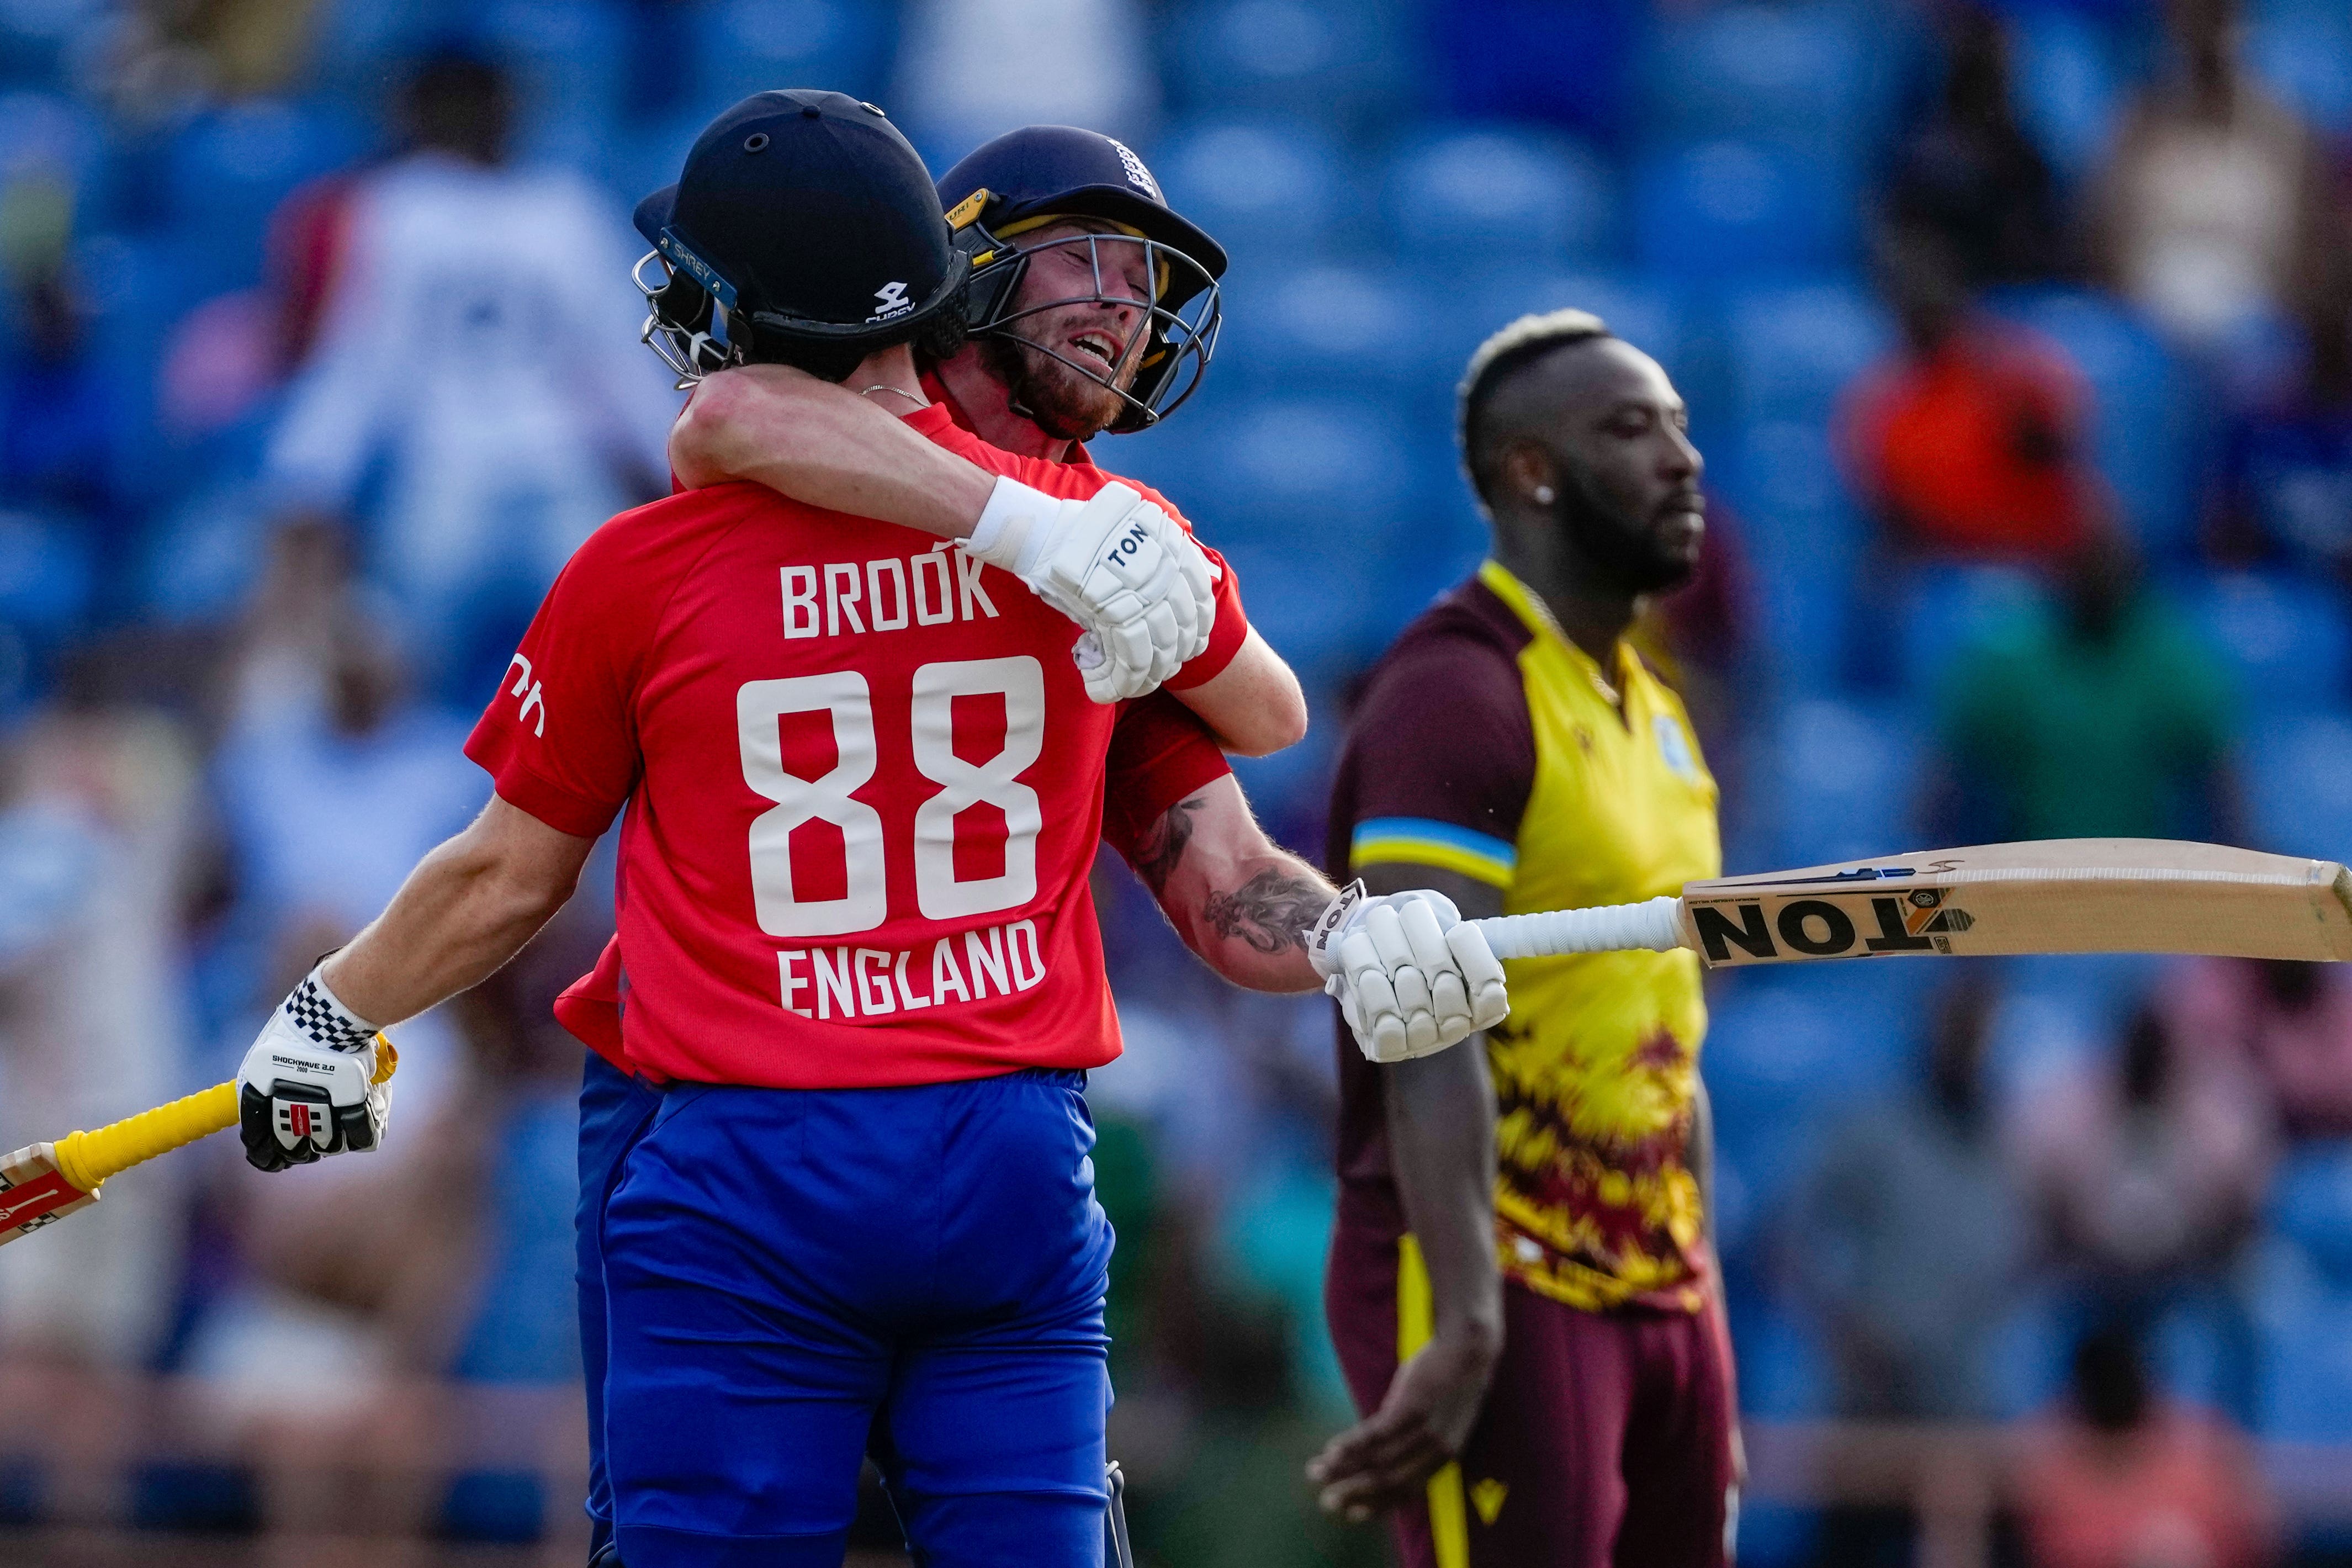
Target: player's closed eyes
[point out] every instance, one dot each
(1121, 276)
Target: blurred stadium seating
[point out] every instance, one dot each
(1394, 179)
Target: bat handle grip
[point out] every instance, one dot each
(1655, 926)
(86, 1158)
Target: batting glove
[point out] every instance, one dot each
(307, 1088)
(1124, 570)
(1410, 975)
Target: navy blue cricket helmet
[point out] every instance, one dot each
(1027, 178)
(803, 229)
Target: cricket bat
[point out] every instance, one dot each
(43, 1182)
(2057, 895)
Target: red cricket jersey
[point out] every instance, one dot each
(866, 787)
(1159, 754)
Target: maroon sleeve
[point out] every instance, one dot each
(1439, 758)
(1159, 754)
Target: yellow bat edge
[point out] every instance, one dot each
(49, 1180)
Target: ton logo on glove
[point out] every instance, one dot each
(1410, 975)
(1127, 574)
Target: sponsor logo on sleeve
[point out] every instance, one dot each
(534, 699)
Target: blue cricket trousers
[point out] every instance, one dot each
(796, 1277)
(615, 1110)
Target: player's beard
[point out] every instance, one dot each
(1625, 553)
(1064, 401)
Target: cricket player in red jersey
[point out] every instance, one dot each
(860, 951)
(1171, 806)
(1094, 310)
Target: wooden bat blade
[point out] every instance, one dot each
(33, 1193)
(2067, 895)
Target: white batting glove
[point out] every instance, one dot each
(1410, 975)
(1120, 567)
(307, 1088)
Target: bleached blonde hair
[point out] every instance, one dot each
(1508, 351)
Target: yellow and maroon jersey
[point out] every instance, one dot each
(1488, 745)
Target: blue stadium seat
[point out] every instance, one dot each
(1790, 1054)
(1795, 349)
(55, 135)
(2303, 54)
(1783, 1377)
(230, 168)
(1944, 610)
(2142, 438)
(2311, 1205)
(743, 46)
(1324, 614)
(1321, 59)
(1537, 59)
(649, 157)
(2299, 784)
(1470, 193)
(359, 42)
(2306, 1370)
(1267, 467)
(2067, 85)
(1803, 76)
(2286, 638)
(1800, 538)
(1325, 325)
(570, 62)
(1643, 312)
(1725, 209)
(44, 574)
(1840, 780)
(1263, 188)
(39, 41)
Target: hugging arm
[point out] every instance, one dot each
(1239, 901)
(826, 446)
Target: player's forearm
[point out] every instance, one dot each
(468, 908)
(1441, 1126)
(1254, 705)
(825, 445)
(1441, 1123)
(1239, 901)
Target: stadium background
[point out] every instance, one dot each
(233, 674)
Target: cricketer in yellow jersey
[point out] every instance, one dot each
(1522, 1289)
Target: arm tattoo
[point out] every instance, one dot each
(1271, 911)
(1163, 846)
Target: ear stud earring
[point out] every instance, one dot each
(1544, 496)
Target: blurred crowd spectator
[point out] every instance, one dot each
(2209, 211)
(466, 344)
(1914, 1242)
(1966, 442)
(2121, 1476)
(2103, 717)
